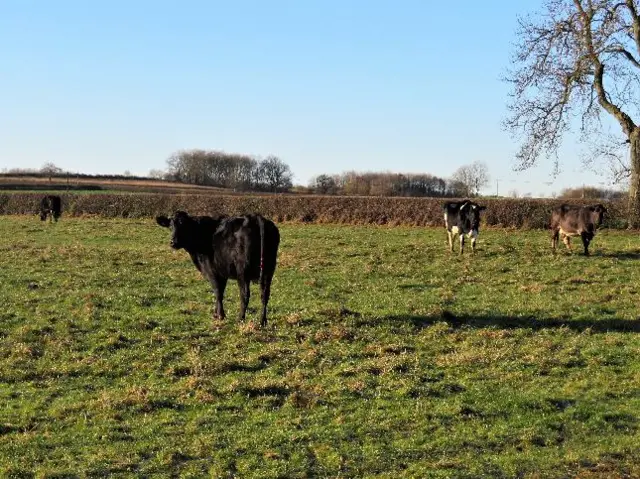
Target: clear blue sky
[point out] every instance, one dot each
(326, 85)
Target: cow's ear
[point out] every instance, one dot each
(163, 221)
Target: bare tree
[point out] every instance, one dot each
(474, 177)
(276, 174)
(456, 189)
(187, 166)
(50, 169)
(480, 175)
(157, 174)
(243, 169)
(324, 185)
(577, 59)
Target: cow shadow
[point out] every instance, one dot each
(622, 255)
(473, 321)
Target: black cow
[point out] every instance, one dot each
(51, 206)
(462, 218)
(571, 220)
(242, 248)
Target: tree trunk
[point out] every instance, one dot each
(634, 183)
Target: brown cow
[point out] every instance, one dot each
(571, 220)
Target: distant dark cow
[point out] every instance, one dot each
(570, 220)
(462, 218)
(50, 206)
(242, 248)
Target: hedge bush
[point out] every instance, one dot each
(501, 212)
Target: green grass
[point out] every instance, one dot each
(385, 356)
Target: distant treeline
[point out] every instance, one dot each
(593, 193)
(386, 184)
(29, 173)
(245, 173)
(230, 170)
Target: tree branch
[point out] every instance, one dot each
(598, 80)
(633, 11)
(627, 54)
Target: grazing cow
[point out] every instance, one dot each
(462, 218)
(570, 220)
(51, 206)
(242, 248)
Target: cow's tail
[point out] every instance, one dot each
(261, 226)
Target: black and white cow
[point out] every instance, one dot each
(462, 218)
(242, 248)
(572, 220)
(51, 206)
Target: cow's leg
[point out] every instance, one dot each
(245, 291)
(473, 235)
(461, 243)
(450, 240)
(265, 292)
(219, 285)
(586, 239)
(567, 241)
(555, 234)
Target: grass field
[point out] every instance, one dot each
(385, 356)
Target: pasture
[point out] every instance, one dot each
(385, 356)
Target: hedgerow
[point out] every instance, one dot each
(500, 212)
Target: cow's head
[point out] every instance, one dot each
(472, 211)
(182, 229)
(597, 214)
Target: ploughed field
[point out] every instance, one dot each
(385, 356)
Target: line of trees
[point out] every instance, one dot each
(229, 170)
(50, 170)
(247, 173)
(385, 184)
(592, 192)
(466, 181)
